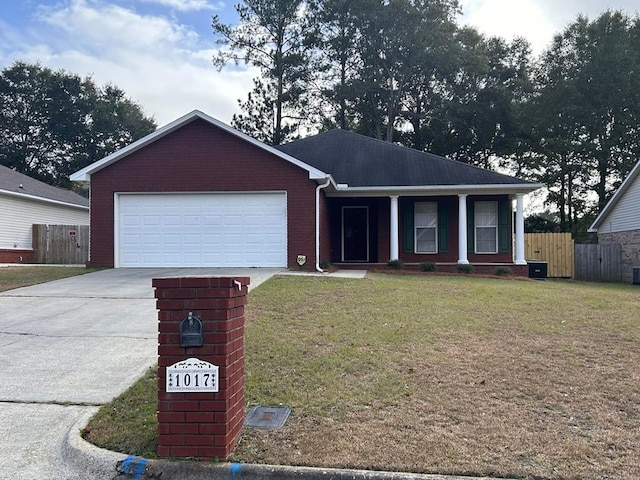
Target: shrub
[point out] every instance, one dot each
(325, 265)
(395, 264)
(428, 267)
(465, 268)
(502, 270)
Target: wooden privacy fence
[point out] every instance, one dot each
(554, 248)
(61, 244)
(599, 262)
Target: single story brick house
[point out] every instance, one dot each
(619, 222)
(199, 193)
(25, 201)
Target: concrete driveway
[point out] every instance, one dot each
(69, 346)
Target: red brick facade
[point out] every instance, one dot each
(202, 425)
(202, 158)
(16, 256)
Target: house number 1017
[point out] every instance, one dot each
(195, 379)
(192, 375)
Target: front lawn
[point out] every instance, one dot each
(437, 374)
(15, 277)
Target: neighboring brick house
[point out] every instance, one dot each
(200, 193)
(619, 222)
(25, 201)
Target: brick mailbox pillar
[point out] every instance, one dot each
(192, 422)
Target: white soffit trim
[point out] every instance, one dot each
(84, 175)
(524, 188)
(635, 171)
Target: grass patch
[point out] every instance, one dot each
(441, 374)
(16, 277)
(128, 422)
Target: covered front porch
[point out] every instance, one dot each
(448, 230)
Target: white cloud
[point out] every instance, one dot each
(509, 19)
(188, 5)
(536, 20)
(104, 28)
(164, 66)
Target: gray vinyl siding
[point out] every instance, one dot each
(625, 215)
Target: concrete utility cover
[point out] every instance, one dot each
(267, 417)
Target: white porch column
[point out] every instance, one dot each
(394, 234)
(462, 229)
(520, 260)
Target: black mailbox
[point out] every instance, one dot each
(191, 332)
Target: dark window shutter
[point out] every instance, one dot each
(407, 225)
(471, 221)
(504, 226)
(443, 227)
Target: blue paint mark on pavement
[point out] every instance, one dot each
(235, 468)
(134, 466)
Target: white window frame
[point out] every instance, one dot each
(433, 225)
(482, 221)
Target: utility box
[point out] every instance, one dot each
(537, 269)
(636, 276)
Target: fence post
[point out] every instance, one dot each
(199, 421)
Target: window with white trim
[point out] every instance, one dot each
(426, 227)
(486, 227)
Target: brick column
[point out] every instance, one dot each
(202, 425)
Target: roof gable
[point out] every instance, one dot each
(632, 177)
(18, 184)
(361, 161)
(84, 175)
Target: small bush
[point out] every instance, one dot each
(325, 265)
(396, 264)
(502, 271)
(465, 268)
(428, 267)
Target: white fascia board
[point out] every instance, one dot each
(84, 175)
(43, 199)
(523, 188)
(615, 198)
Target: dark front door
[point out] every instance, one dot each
(355, 234)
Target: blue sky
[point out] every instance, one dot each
(159, 51)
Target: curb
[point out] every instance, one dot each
(86, 461)
(191, 470)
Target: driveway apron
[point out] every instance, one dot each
(69, 346)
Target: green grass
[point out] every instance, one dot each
(15, 277)
(433, 374)
(128, 423)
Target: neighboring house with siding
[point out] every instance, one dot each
(25, 201)
(619, 222)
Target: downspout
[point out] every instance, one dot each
(318, 188)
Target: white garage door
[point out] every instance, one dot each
(208, 230)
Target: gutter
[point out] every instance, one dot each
(318, 188)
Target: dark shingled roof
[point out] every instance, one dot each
(12, 181)
(361, 161)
